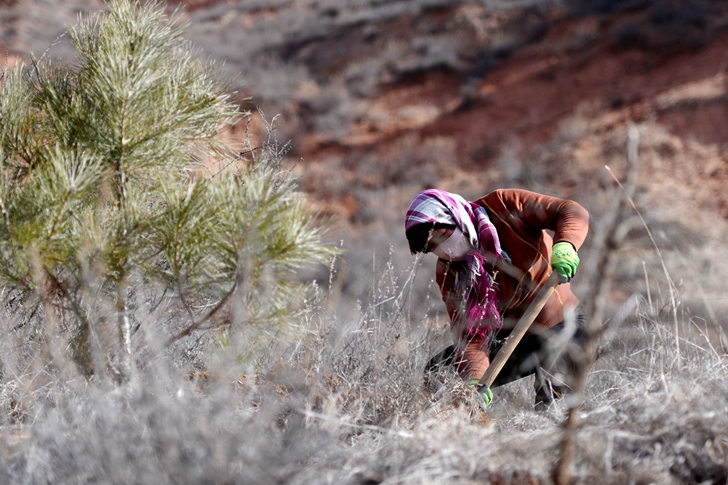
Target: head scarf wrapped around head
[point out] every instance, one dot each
(475, 284)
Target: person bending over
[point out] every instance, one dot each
(493, 256)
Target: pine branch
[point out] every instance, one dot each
(98, 178)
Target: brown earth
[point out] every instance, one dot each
(543, 91)
(381, 100)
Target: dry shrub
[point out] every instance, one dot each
(351, 405)
(348, 402)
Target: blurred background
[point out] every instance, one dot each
(382, 99)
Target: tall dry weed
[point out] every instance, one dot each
(350, 404)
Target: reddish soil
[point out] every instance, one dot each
(192, 5)
(576, 70)
(530, 94)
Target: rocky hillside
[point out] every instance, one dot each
(383, 99)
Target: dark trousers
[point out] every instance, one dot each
(548, 354)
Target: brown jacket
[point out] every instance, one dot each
(522, 219)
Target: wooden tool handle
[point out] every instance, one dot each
(524, 323)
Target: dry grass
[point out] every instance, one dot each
(350, 405)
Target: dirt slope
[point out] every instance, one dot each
(382, 99)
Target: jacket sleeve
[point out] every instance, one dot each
(567, 219)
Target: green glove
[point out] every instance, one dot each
(483, 390)
(564, 259)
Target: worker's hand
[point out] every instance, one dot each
(483, 390)
(564, 260)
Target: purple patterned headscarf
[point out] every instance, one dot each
(476, 284)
